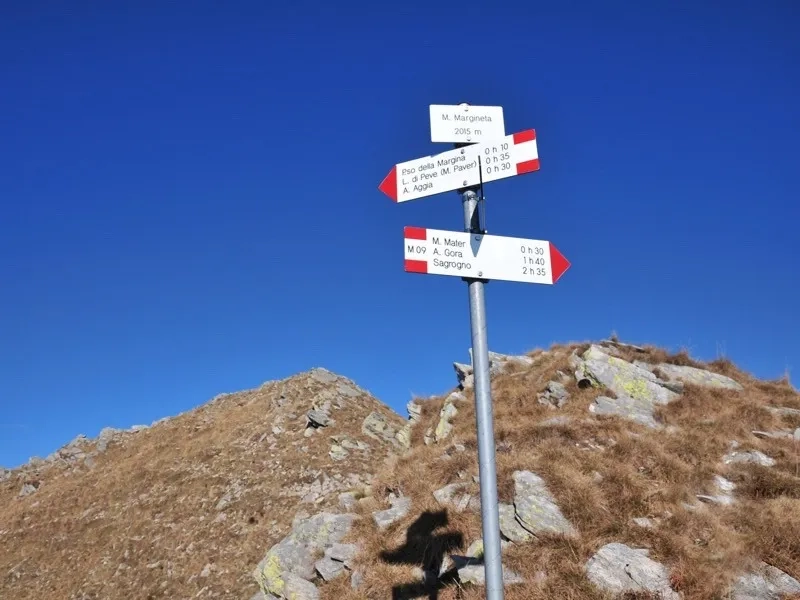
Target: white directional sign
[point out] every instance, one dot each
(507, 156)
(482, 256)
(465, 123)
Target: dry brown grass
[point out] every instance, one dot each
(142, 523)
(645, 473)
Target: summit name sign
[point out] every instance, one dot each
(466, 124)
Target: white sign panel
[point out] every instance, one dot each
(465, 123)
(507, 156)
(482, 256)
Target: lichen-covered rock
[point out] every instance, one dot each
(4, 474)
(399, 509)
(765, 583)
(535, 506)
(625, 379)
(618, 568)
(510, 527)
(414, 411)
(289, 565)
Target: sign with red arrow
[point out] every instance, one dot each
(482, 256)
(507, 156)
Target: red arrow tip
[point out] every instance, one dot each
(389, 184)
(558, 263)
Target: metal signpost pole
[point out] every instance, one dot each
(490, 514)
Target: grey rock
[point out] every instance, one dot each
(464, 375)
(765, 583)
(618, 568)
(414, 411)
(445, 427)
(428, 437)
(510, 526)
(773, 435)
(476, 575)
(784, 411)
(343, 553)
(328, 568)
(796, 434)
(231, 495)
(277, 430)
(625, 379)
(404, 435)
(351, 444)
(348, 390)
(555, 395)
(637, 410)
(348, 500)
(643, 522)
(748, 457)
(289, 563)
(697, 376)
(28, 489)
(456, 495)
(399, 509)
(377, 427)
(323, 375)
(337, 452)
(106, 436)
(318, 418)
(535, 506)
(356, 580)
(297, 588)
(5, 474)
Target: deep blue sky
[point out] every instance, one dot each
(189, 202)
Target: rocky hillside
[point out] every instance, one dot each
(624, 472)
(187, 507)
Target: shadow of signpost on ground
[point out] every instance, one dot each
(426, 549)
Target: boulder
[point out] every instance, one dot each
(764, 583)
(536, 508)
(696, 376)
(5, 474)
(289, 565)
(625, 379)
(322, 375)
(620, 569)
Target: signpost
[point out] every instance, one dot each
(506, 156)
(465, 123)
(482, 256)
(476, 257)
